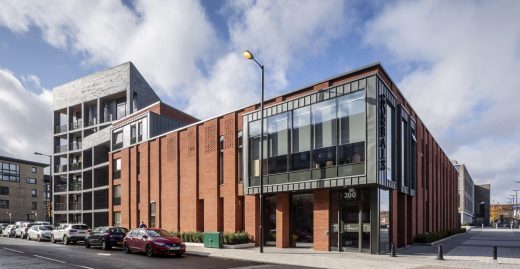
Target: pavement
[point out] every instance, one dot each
(469, 250)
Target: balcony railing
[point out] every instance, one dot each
(60, 129)
(75, 166)
(60, 188)
(60, 168)
(75, 186)
(75, 146)
(76, 125)
(59, 149)
(117, 146)
(60, 207)
(75, 206)
(116, 174)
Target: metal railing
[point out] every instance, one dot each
(75, 166)
(60, 168)
(60, 188)
(60, 207)
(75, 186)
(59, 149)
(76, 125)
(60, 129)
(75, 146)
(75, 206)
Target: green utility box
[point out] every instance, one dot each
(213, 240)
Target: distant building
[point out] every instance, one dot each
(466, 194)
(22, 190)
(482, 202)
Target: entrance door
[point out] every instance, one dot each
(353, 222)
(350, 230)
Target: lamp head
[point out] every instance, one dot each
(248, 55)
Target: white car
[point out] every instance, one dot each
(42, 223)
(70, 233)
(21, 231)
(40, 232)
(9, 230)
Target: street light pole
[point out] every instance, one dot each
(49, 217)
(248, 55)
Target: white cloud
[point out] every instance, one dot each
(26, 119)
(466, 89)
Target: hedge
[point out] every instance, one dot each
(236, 238)
(192, 237)
(432, 237)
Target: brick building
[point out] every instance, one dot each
(348, 165)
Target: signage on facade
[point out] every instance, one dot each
(351, 194)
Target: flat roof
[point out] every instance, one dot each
(15, 160)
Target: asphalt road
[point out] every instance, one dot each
(18, 253)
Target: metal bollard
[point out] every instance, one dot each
(495, 253)
(392, 250)
(440, 255)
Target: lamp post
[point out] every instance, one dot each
(248, 55)
(49, 217)
(9, 213)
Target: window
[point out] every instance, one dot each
(121, 109)
(240, 156)
(139, 131)
(4, 190)
(324, 123)
(9, 172)
(413, 158)
(34, 193)
(31, 180)
(351, 113)
(301, 139)
(221, 160)
(133, 134)
(117, 169)
(117, 195)
(403, 153)
(4, 204)
(117, 218)
(152, 215)
(254, 151)
(34, 169)
(34, 206)
(278, 138)
(117, 138)
(389, 142)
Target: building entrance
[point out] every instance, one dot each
(351, 221)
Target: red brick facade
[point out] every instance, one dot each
(179, 171)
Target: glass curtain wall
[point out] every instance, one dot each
(301, 139)
(384, 221)
(352, 130)
(278, 137)
(325, 133)
(389, 142)
(254, 153)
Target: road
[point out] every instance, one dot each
(18, 253)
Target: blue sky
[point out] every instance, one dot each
(452, 60)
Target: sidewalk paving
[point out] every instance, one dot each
(470, 250)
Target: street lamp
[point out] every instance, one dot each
(9, 213)
(49, 218)
(248, 55)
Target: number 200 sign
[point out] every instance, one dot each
(350, 195)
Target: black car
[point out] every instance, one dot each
(106, 237)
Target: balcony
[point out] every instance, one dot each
(60, 168)
(60, 149)
(75, 206)
(60, 129)
(75, 186)
(75, 146)
(60, 188)
(60, 207)
(76, 125)
(75, 166)
(117, 146)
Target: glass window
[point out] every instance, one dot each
(152, 215)
(413, 159)
(121, 110)
(302, 210)
(31, 180)
(34, 169)
(403, 153)
(384, 221)
(4, 204)
(278, 137)
(352, 130)
(254, 151)
(34, 206)
(4, 190)
(117, 218)
(240, 156)
(117, 195)
(34, 193)
(389, 142)
(301, 139)
(324, 120)
(139, 131)
(221, 160)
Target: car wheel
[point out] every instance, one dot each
(66, 240)
(126, 249)
(28, 238)
(104, 245)
(149, 250)
(87, 245)
(38, 238)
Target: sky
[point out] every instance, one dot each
(456, 62)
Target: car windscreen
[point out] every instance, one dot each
(158, 233)
(118, 230)
(46, 228)
(80, 227)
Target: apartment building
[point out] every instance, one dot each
(466, 189)
(84, 111)
(347, 164)
(22, 190)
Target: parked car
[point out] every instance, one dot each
(106, 237)
(40, 232)
(2, 226)
(21, 231)
(153, 241)
(42, 223)
(70, 233)
(9, 230)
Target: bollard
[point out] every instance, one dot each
(482, 225)
(440, 255)
(495, 253)
(392, 249)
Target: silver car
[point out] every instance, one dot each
(40, 232)
(9, 230)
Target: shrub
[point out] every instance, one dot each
(192, 237)
(236, 238)
(432, 237)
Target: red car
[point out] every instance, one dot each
(153, 241)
